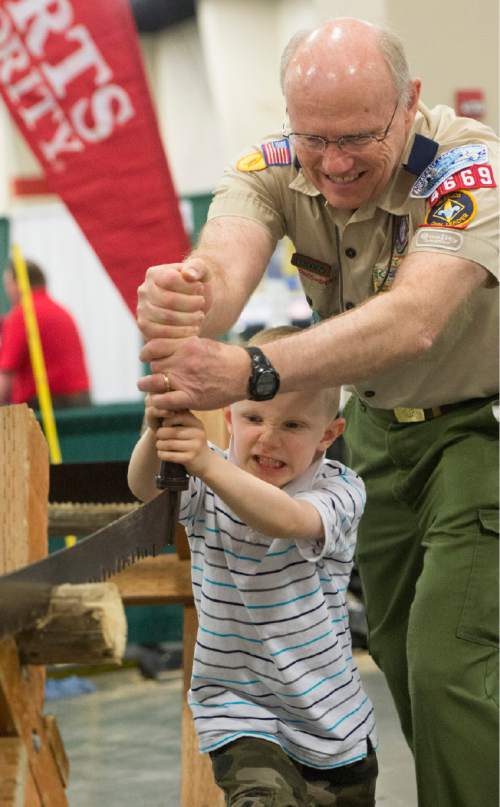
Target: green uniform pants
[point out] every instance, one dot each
(428, 561)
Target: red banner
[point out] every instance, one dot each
(71, 75)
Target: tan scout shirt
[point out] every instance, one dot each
(350, 256)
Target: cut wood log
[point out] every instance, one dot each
(85, 624)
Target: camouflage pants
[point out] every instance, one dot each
(257, 773)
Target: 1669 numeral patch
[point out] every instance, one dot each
(476, 176)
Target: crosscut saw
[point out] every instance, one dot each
(25, 592)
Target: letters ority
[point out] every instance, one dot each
(43, 54)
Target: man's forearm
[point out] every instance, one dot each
(380, 334)
(236, 252)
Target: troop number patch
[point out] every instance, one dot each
(454, 210)
(477, 176)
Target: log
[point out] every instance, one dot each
(82, 518)
(85, 624)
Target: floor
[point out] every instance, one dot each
(123, 739)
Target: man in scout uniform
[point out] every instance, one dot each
(393, 211)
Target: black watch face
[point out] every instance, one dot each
(266, 383)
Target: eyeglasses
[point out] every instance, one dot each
(350, 142)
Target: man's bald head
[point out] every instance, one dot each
(345, 51)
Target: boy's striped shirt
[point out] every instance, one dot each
(273, 657)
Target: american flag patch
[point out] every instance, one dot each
(277, 152)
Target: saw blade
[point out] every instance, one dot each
(93, 559)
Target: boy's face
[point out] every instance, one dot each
(278, 440)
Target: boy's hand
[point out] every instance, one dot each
(153, 416)
(181, 438)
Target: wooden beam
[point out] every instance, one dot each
(57, 747)
(198, 786)
(156, 581)
(21, 705)
(14, 772)
(24, 486)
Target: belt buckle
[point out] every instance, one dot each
(404, 414)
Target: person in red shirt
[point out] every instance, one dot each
(61, 344)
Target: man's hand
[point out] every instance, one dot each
(181, 438)
(202, 373)
(173, 300)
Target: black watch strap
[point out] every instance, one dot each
(264, 381)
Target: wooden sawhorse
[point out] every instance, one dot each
(33, 764)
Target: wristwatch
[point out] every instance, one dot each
(264, 381)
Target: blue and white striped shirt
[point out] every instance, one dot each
(273, 656)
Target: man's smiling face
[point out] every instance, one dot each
(338, 87)
(348, 177)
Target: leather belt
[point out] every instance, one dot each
(405, 414)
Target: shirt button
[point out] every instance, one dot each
(369, 393)
(350, 252)
(348, 306)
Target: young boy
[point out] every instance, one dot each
(275, 693)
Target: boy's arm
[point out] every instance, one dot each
(262, 506)
(265, 508)
(143, 466)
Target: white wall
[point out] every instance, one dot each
(190, 127)
(451, 46)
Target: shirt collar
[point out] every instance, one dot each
(303, 185)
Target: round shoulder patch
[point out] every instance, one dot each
(251, 162)
(453, 210)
